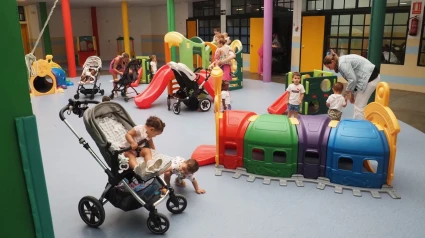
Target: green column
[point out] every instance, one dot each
(21, 213)
(46, 35)
(376, 34)
(171, 25)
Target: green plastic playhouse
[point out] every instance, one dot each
(318, 86)
(146, 74)
(237, 79)
(271, 146)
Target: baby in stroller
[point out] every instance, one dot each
(108, 123)
(90, 75)
(190, 92)
(130, 75)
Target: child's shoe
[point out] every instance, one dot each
(154, 166)
(140, 169)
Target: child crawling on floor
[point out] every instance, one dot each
(184, 169)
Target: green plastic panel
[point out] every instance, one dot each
(271, 146)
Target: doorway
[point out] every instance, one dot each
(25, 38)
(281, 56)
(313, 35)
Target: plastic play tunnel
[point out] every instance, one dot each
(43, 84)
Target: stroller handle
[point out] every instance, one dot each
(128, 148)
(76, 107)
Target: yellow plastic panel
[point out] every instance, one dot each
(333, 123)
(294, 121)
(381, 115)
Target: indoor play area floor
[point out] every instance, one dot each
(231, 207)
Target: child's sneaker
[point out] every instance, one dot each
(140, 169)
(154, 166)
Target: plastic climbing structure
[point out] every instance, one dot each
(318, 86)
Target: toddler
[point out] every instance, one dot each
(106, 99)
(88, 77)
(227, 38)
(153, 127)
(225, 96)
(153, 64)
(336, 102)
(184, 169)
(296, 95)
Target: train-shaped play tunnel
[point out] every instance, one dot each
(357, 153)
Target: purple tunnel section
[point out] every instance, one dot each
(313, 135)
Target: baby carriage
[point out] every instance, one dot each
(92, 63)
(107, 123)
(131, 74)
(190, 93)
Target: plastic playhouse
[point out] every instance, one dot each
(120, 46)
(86, 47)
(358, 155)
(318, 86)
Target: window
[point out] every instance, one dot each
(206, 8)
(283, 5)
(349, 34)
(312, 158)
(206, 29)
(345, 164)
(230, 149)
(421, 58)
(258, 154)
(279, 157)
(238, 29)
(316, 5)
(21, 12)
(373, 165)
(246, 6)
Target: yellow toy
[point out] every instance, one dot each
(39, 84)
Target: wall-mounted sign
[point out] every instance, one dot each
(223, 12)
(417, 8)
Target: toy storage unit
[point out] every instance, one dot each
(86, 47)
(233, 126)
(313, 134)
(271, 146)
(352, 146)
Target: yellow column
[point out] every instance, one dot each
(126, 32)
(217, 75)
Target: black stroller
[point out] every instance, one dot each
(92, 64)
(127, 79)
(107, 123)
(190, 93)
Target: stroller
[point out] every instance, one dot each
(190, 93)
(92, 63)
(107, 123)
(131, 74)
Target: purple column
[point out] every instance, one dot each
(267, 51)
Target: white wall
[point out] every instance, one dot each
(81, 22)
(159, 18)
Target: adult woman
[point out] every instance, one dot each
(117, 67)
(362, 77)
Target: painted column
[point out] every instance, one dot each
(26, 211)
(126, 32)
(226, 6)
(268, 31)
(296, 36)
(171, 25)
(94, 28)
(69, 39)
(46, 34)
(377, 22)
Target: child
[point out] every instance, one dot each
(217, 34)
(88, 77)
(153, 127)
(225, 96)
(106, 99)
(183, 169)
(296, 95)
(222, 58)
(336, 102)
(227, 38)
(153, 65)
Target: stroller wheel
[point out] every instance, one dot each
(158, 223)
(176, 108)
(91, 211)
(102, 92)
(169, 103)
(77, 96)
(91, 97)
(176, 204)
(111, 96)
(126, 99)
(205, 105)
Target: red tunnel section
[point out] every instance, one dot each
(233, 126)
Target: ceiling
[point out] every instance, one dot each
(105, 3)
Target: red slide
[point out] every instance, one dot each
(159, 83)
(280, 105)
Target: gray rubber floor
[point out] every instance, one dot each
(231, 207)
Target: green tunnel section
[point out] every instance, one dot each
(318, 86)
(271, 146)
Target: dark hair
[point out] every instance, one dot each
(332, 57)
(217, 29)
(221, 40)
(338, 87)
(156, 123)
(106, 99)
(296, 74)
(125, 55)
(192, 165)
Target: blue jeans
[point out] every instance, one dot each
(292, 107)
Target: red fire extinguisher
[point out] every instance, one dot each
(413, 31)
